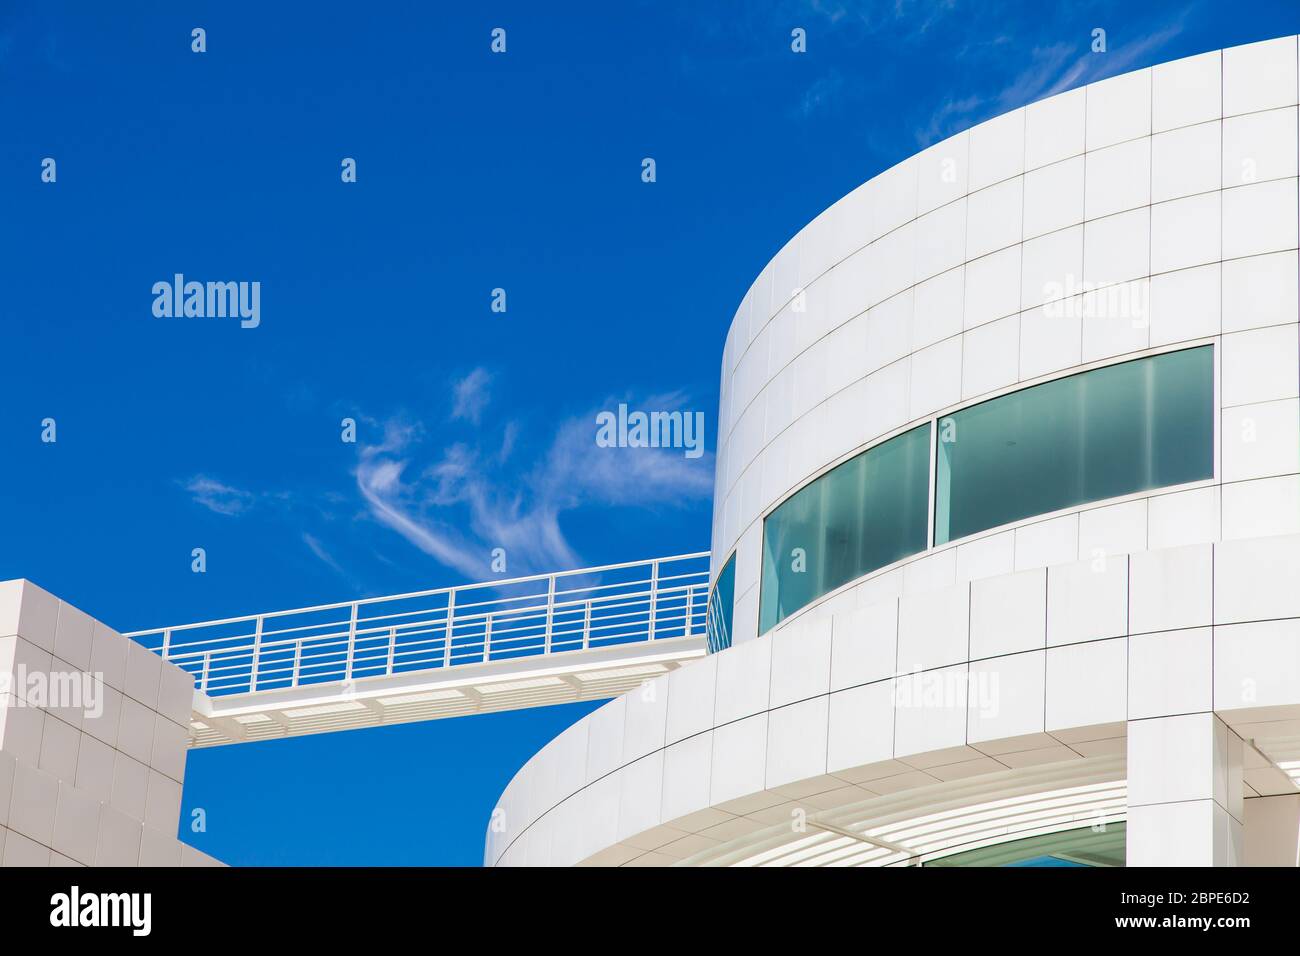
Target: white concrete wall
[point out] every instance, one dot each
(1186, 800)
(921, 292)
(924, 290)
(1273, 831)
(96, 780)
(1078, 661)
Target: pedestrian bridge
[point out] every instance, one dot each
(588, 634)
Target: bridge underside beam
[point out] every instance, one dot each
(513, 684)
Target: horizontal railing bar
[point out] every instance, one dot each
(271, 638)
(416, 594)
(615, 584)
(454, 633)
(180, 651)
(438, 613)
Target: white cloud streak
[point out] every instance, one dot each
(318, 549)
(471, 396)
(218, 497)
(1052, 69)
(464, 503)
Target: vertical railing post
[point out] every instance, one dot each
(550, 612)
(451, 617)
(257, 652)
(654, 595)
(614, 624)
(352, 642)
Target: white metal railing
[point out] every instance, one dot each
(496, 620)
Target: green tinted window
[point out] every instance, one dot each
(717, 620)
(1112, 431)
(865, 514)
(1088, 846)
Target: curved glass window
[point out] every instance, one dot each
(1113, 431)
(862, 515)
(717, 620)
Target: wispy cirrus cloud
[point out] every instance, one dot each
(757, 36)
(1049, 69)
(855, 25)
(904, 18)
(314, 545)
(993, 56)
(461, 501)
(499, 484)
(399, 504)
(219, 497)
(822, 91)
(225, 499)
(943, 118)
(470, 396)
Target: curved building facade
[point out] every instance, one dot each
(1006, 535)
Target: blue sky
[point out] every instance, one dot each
(475, 429)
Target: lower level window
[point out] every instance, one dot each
(1102, 845)
(717, 620)
(1114, 431)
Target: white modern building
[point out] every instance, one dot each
(94, 730)
(1006, 534)
(1005, 561)
(95, 725)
